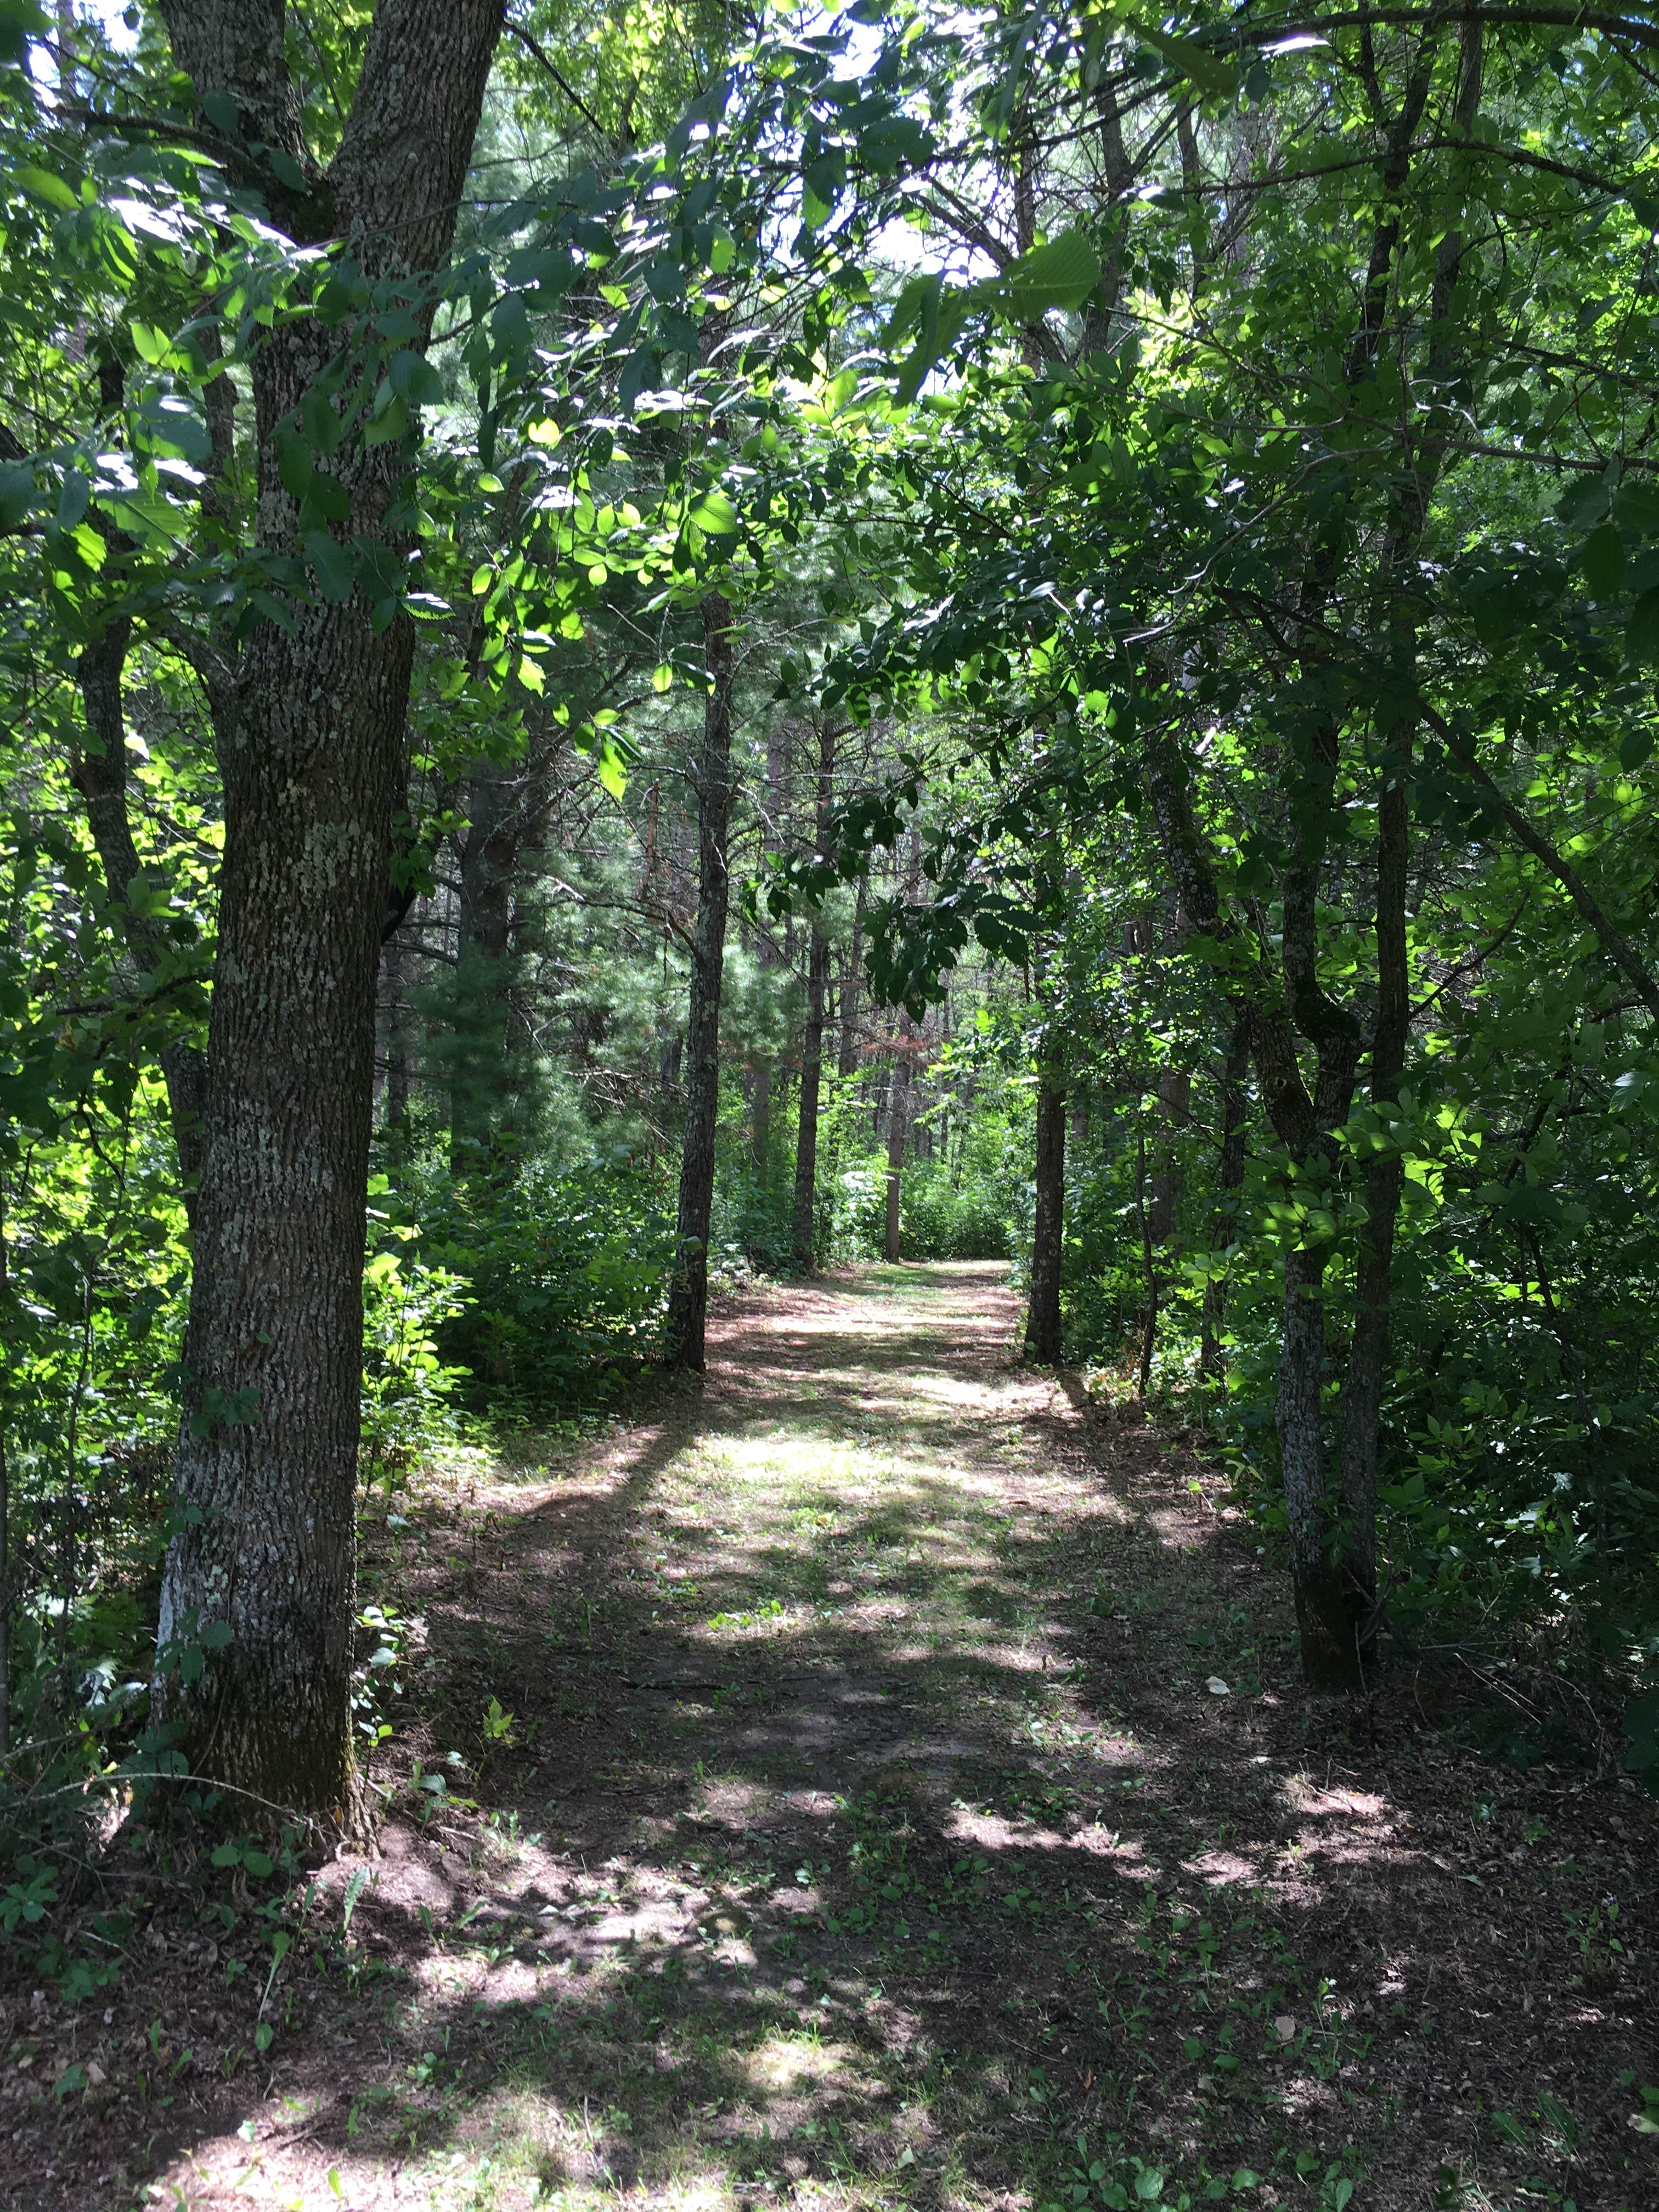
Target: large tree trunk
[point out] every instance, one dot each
(310, 755)
(688, 1297)
(1043, 1330)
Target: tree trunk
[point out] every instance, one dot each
(1230, 1180)
(688, 1297)
(311, 756)
(1042, 1330)
(760, 1122)
(1302, 1122)
(1329, 1649)
(489, 855)
(1360, 1436)
(100, 775)
(1175, 1088)
(804, 1236)
(851, 989)
(898, 1100)
(397, 1037)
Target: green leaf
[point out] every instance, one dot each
(222, 112)
(73, 500)
(1215, 78)
(1060, 274)
(17, 494)
(41, 185)
(391, 424)
(294, 462)
(714, 515)
(320, 421)
(286, 170)
(1636, 504)
(1584, 502)
(1641, 631)
(20, 21)
(333, 565)
(414, 379)
(1634, 748)
(330, 497)
(1604, 560)
(610, 770)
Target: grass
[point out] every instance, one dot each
(814, 1791)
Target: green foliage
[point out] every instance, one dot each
(564, 1278)
(409, 1393)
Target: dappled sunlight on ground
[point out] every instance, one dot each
(899, 1772)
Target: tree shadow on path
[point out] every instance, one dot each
(895, 1772)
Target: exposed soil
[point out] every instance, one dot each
(907, 1799)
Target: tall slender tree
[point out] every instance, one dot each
(688, 1297)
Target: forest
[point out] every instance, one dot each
(829, 1104)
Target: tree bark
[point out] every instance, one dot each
(760, 1122)
(1043, 1324)
(1360, 1435)
(310, 753)
(1230, 1179)
(100, 775)
(1175, 1088)
(688, 1297)
(1303, 1122)
(489, 855)
(898, 1104)
(804, 1232)
(850, 991)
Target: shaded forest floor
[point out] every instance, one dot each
(907, 1799)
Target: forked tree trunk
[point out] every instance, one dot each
(1043, 1328)
(688, 1297)
(310, 753)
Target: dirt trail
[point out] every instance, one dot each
(906, 1777)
